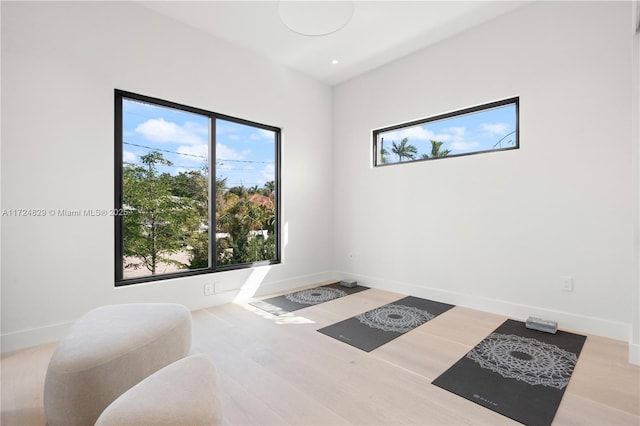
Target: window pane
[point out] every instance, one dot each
(481, 129)
(245, 193)
(165, 189)
(200, 191)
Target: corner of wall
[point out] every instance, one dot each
(634, 354)
(634, 342)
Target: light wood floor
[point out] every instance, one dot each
(281, 371)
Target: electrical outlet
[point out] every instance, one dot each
(209, 289)
(567, 284)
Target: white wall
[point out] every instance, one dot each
(634, 350)
(498, 231)
(60, 65)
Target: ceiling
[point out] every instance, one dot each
(377, 32)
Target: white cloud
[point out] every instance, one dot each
(262, 134)
(456, 139)
(269, 172)
(456, 133)
(160, 130)
(463, 145)
(496, 129)
(419, 133)
(198, 152)
(415, 133)
(223, 152)
(129, 157)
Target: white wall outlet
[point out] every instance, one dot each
(209, 289)
(567, 284)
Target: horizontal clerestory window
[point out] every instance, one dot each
(198, 191)
(485, 128)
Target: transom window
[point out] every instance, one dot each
(195, 191)
(485, 128)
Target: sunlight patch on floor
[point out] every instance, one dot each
(283, 319)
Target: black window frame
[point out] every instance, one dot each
(509, 101)
(119, 96)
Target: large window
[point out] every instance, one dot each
(195, 191)
(485, 128)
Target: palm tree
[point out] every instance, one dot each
(383, 156)
(383, 152)
(435, 150)
(404, 150)
(269, 188)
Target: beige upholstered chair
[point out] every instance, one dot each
(183, 393)
(108, 351)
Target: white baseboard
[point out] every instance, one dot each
(566, 320)
(278, 286)
(33, 337)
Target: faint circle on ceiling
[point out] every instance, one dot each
(315, 17)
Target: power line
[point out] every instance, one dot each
(218, 160)
(175, 166)
(503, 138)
(164, 150)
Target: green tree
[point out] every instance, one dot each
(269, 188)
(238, 221)
(435, 150)
(245, 217)
(383, 152)
(383, 156)
(221, 188)
(194, 185)
(404, 150)
(156, 219)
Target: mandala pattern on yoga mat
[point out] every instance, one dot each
(313, 296)
(525, 359)
(398, 318)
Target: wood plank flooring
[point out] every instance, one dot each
(281, 371)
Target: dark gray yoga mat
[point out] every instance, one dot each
(517, 372)
(304, 298)
(378, 326)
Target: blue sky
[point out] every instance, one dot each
(244, 154)
(479, 131)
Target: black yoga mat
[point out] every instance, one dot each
(378, 326)
(517, 372)
(304, 298)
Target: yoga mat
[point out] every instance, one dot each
(517, 372)
(290, 302)
(378, 326)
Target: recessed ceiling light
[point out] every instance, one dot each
(335, 62)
